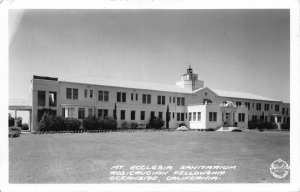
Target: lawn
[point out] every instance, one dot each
(88, 157)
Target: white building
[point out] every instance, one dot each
(189, 102)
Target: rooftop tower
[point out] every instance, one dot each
(190, 80)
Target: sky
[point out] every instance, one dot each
(235, 50)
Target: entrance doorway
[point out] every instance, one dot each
(227, 119)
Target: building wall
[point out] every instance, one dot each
(47, 86)
(204, 94)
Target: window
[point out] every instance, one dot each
(103, 95)
(271, 106)
(178, 116)
(152, 114)
(85, 93)
(199, 116)
(105, 112)
(159, 100)
(267, 106)
(132, 115)
(283, 110)
(41, 98)
(276, 107)
(238, 103)
(278, 119)
(102, 113)
(122, 114)
(173, 115)
(254, 118)
(170, 99)
(142, 115)
(90, 114)
(146, 99)
(190, 116)
(106, 95)
(160, 115)
(247, 105)
(272, 119)
(136, 97)
(258, 106)
(72, 93)
(75, 93)
(212, 116)
(131, 96)
(241, 117)
(124, 97)
(287, 111)
(118, 97)
(91, 93)
(182, 101)
(63, 112)
(194, 116)
(100, 96)
(121, 97)
(80, 113)
(182, 116)
(173, 99)
(71, 113)
(69, 93)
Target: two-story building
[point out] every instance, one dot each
(189, 102)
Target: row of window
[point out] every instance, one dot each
(267, 107)
(121, 97)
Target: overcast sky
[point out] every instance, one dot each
(238, 50)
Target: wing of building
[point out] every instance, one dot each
(189, 102)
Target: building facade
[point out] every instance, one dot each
(189, 102)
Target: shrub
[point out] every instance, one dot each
(25, 127)
(91, 123)
(11, 120)
(72, 124)
(125, 125)
(56, 123)
(14, 131)
(209, 129)
(252, 124)
(285, 126)
(45, 123)
(109, 123)
(156, 123)
(134, 125)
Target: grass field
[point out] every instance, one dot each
(88, 157)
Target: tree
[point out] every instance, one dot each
(115, 112)
(167, 117)
(11, 120)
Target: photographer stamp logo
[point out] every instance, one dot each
(279, 169)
